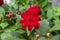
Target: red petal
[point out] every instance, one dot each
(21, 21)
(36, 25)
(30, 27)
(24, 16)
(24, 27)
(36, 18)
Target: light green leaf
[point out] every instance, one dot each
(57, 37)
(20, 31)
(6, 36)
(16, 35)
(50, 13)
(15, 6)
(4, 25)
(42, 38)
(44, 28)
(11, 28)
(11, 3)
(57, 11)
(56, 26)
(1, 12)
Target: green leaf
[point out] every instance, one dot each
(1, 12)
(11, 3)
(11, 28)
(18, 18)
(43, 3)
(6, 36)
(20, 31)
(42, 14)
(56, 26)
(42, 38)
(56, 37)
(4, 25)
(6, 7)
(44, 28)
(50, 13)
(57, 11)
(15, 6)
(16, 35)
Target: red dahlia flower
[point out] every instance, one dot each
(1, 2)
(30, 21)
(34, 10)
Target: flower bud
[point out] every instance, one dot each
(7, 1)
(37, 36)
(10, 15)
(48, 34)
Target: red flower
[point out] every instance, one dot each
(1, 2)
(30, 21)
(34, 10)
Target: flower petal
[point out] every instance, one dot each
(36, 25)
(24, 16)
(36, 18)
(24, 27)
(30, 27)
(21, 21)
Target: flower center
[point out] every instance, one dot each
(30, 20)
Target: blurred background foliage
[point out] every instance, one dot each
(12, 30)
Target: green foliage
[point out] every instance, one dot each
(57, 37)
(11, 29)
(44, 28)
(56, 26)
(3, 25)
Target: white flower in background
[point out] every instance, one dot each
(7, 1)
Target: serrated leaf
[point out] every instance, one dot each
(56, 26)
(11, 3)
(44, 28)
(16, 34)
(4, 25)
(20, 31)
(6, 36)
(6, 7)
(43, 3)
(57, 11)
(11, 28)
(18, 18)
(50, 13)
(15, 6)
